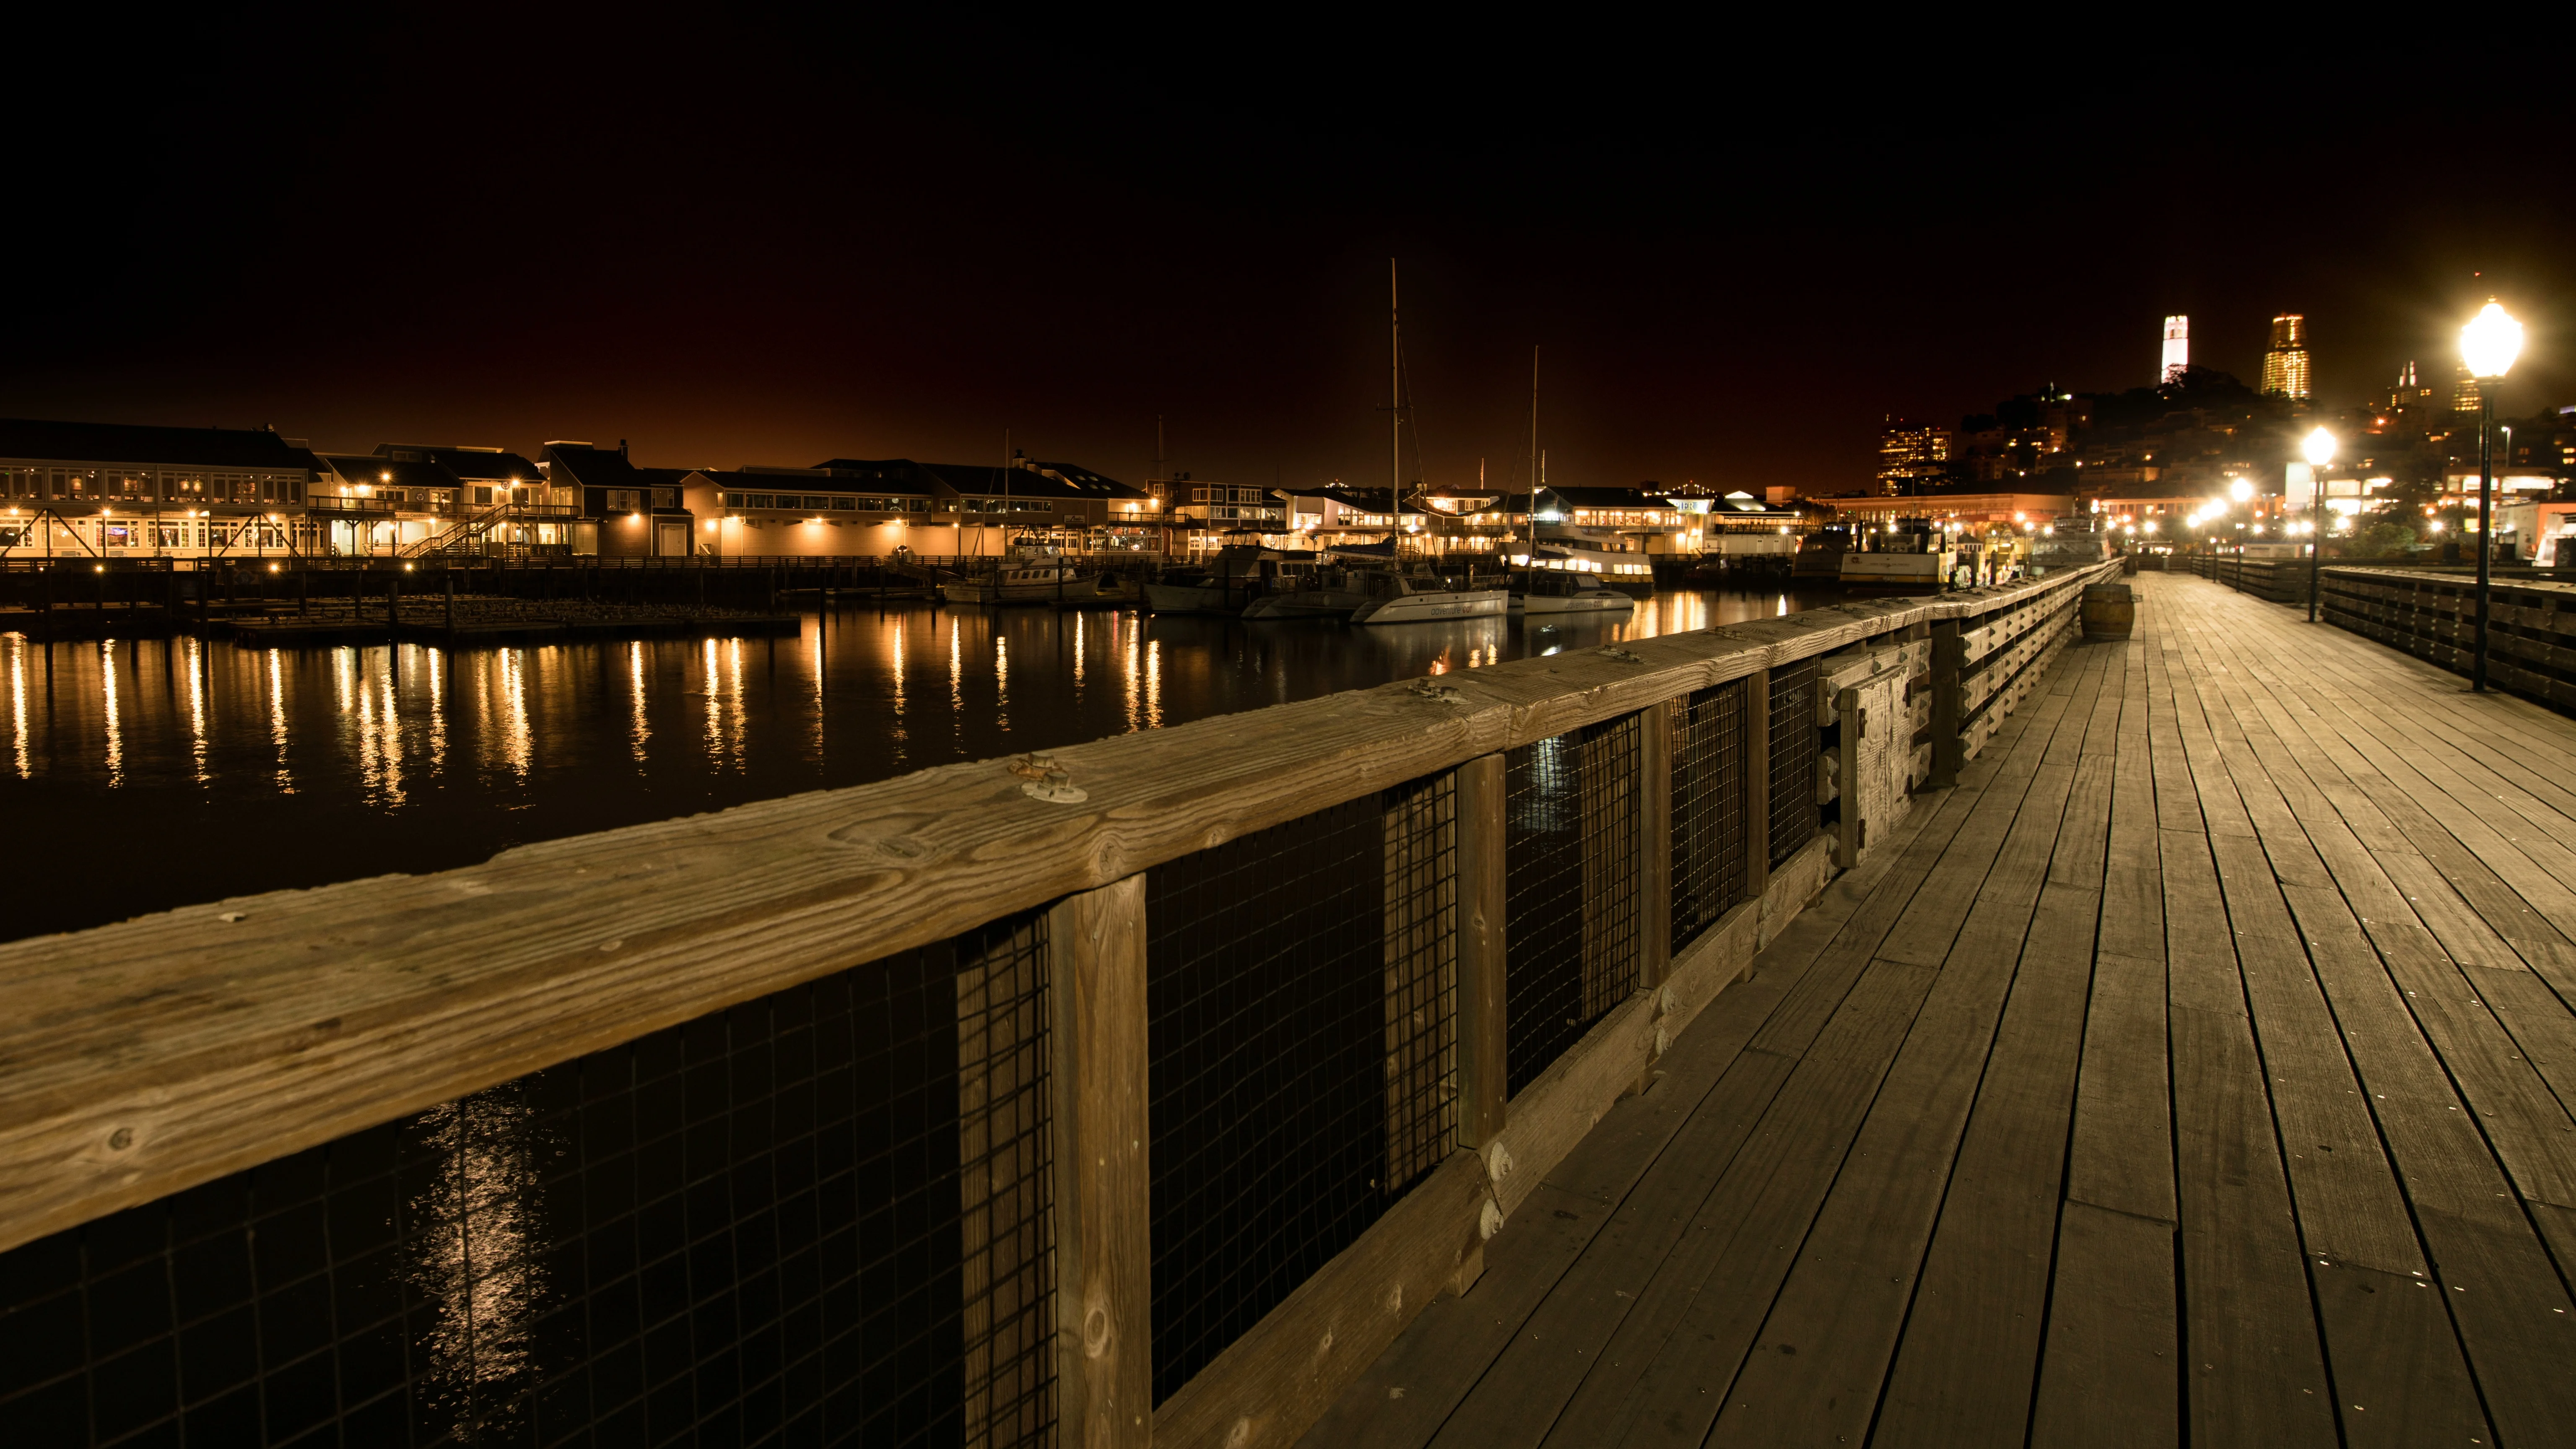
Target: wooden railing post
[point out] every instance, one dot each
(1104, 1189)
(1655, 845)
(1757, 783)
(1949, 752)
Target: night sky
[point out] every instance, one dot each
(740, 240)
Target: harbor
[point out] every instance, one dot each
(321, 761)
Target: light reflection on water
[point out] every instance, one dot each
(475, 1257)
(204, 770)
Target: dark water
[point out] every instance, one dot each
(139, 776)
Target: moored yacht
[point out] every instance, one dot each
(1021, 584)
(1552, 591)
(1420, 598)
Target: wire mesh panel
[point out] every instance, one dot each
(1570, 889)
(1421, 917)
(1708, 868)
(750, 1228)
(1793, 745)
(1005, 1197)
(1302, 1041)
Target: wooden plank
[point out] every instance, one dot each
(1482, 1081)
(1846, 1293)
(1964, 1370)
(1695, 1320)
(2110, 1373)
(2507, 1303)
(1104, 1185)
(2255, 1366)
(1947, 657)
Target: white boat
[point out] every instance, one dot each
(1328, 594)
(1397, 598)
(1548, 591)
(1021, 584)
(1923, 572)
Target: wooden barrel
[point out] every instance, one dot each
(2128, 565)
(2110, 611)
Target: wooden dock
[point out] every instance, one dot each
(2197, 1070)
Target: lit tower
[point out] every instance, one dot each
(2177, 348)
(2285, 366)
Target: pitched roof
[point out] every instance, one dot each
(367, 468)
(1092, 484)
(1606, 497)
(34, 438)
(475, 465)
(801, 482)
(986, 481)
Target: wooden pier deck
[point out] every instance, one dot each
(2198, 1070)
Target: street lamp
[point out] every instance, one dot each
(2488, 345)
(2320, 448)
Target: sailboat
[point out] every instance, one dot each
(1396, 594)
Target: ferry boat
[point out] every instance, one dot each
(1548, 591)
(1421, 598)
(1909, 555)
(1820, 553)
(1631, 574)
(1021, 584)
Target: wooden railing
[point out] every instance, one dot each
(2531, 625)
(2281, 580)
(144, 1059)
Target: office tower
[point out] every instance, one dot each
(2177, 348)
(1910, 455)
(2285, 366)
(2465, 395)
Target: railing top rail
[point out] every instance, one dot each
(145, 1057)
(2464, 580)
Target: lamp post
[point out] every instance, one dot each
(2488, 345)
(2320, 448)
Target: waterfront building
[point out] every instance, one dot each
(854, 507)
(447, 498)
(2176, 358)
(1337, 515)
(1208, 515)
(122, 490)
(618, 510)
(1473, 520)
(1963, 508)
(1622, 520)
(2285, 365)
(1911, 456)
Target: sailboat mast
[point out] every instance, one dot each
(1394, 392)
(1532, 509)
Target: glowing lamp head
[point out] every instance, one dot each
(2241, 491)
(2320, 448)
(2491, 341)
